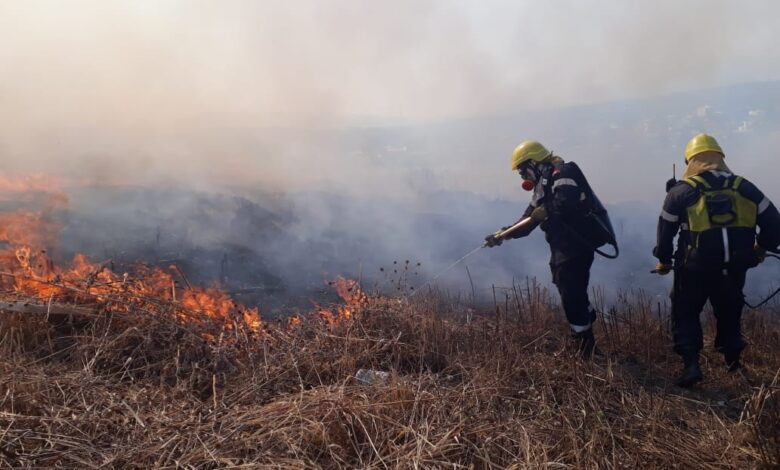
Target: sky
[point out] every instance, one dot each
(177, 89)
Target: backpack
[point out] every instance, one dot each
(594, 229)
(722, 225)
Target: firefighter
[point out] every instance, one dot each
(716, 213)
(560, 196)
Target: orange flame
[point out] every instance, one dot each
(28, 270)
(353, 296)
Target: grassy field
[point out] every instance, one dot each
(491, 388)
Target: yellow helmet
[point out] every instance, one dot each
(529, 150)
(701, 143)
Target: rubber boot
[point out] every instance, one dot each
(691, 372)
(732, 361)
(586, 345)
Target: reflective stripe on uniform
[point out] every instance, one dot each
(721, 173)
(669, 217)
(579, 328)
(764, 205)
(564, 182)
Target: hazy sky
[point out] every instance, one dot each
(135, 85)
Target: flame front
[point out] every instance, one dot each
(27, 270)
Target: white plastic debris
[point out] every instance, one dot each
(372, 377)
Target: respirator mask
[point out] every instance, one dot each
(530, 174)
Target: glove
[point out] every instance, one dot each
(670, 184)
(493, 240)
(760, 252)
(662, 268)
(539, 214)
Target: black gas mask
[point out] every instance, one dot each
(531, 172)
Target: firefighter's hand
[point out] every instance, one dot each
(662, 268)
(760, 252)
(670, 184)
(539, 214)
(493, 240)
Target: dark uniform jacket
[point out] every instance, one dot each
(674, 217)
(564, 192)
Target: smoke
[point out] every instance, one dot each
(204, 92)
(384, 128)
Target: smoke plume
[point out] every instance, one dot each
(327, 136)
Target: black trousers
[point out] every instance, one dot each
(571, 278)
(692, 289)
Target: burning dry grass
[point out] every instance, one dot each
(501, 390)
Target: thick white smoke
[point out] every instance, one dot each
(213, 92)
(388, 125)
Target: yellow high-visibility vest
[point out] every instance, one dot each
(721, 222)
(722, 207)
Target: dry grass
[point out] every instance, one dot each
(500, 390)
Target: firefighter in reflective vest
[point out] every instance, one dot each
(560, 193)
(716, 213)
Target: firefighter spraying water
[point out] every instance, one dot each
(576, 225)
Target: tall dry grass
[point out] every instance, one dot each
(498, 388)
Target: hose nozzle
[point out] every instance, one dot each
(520, 229)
